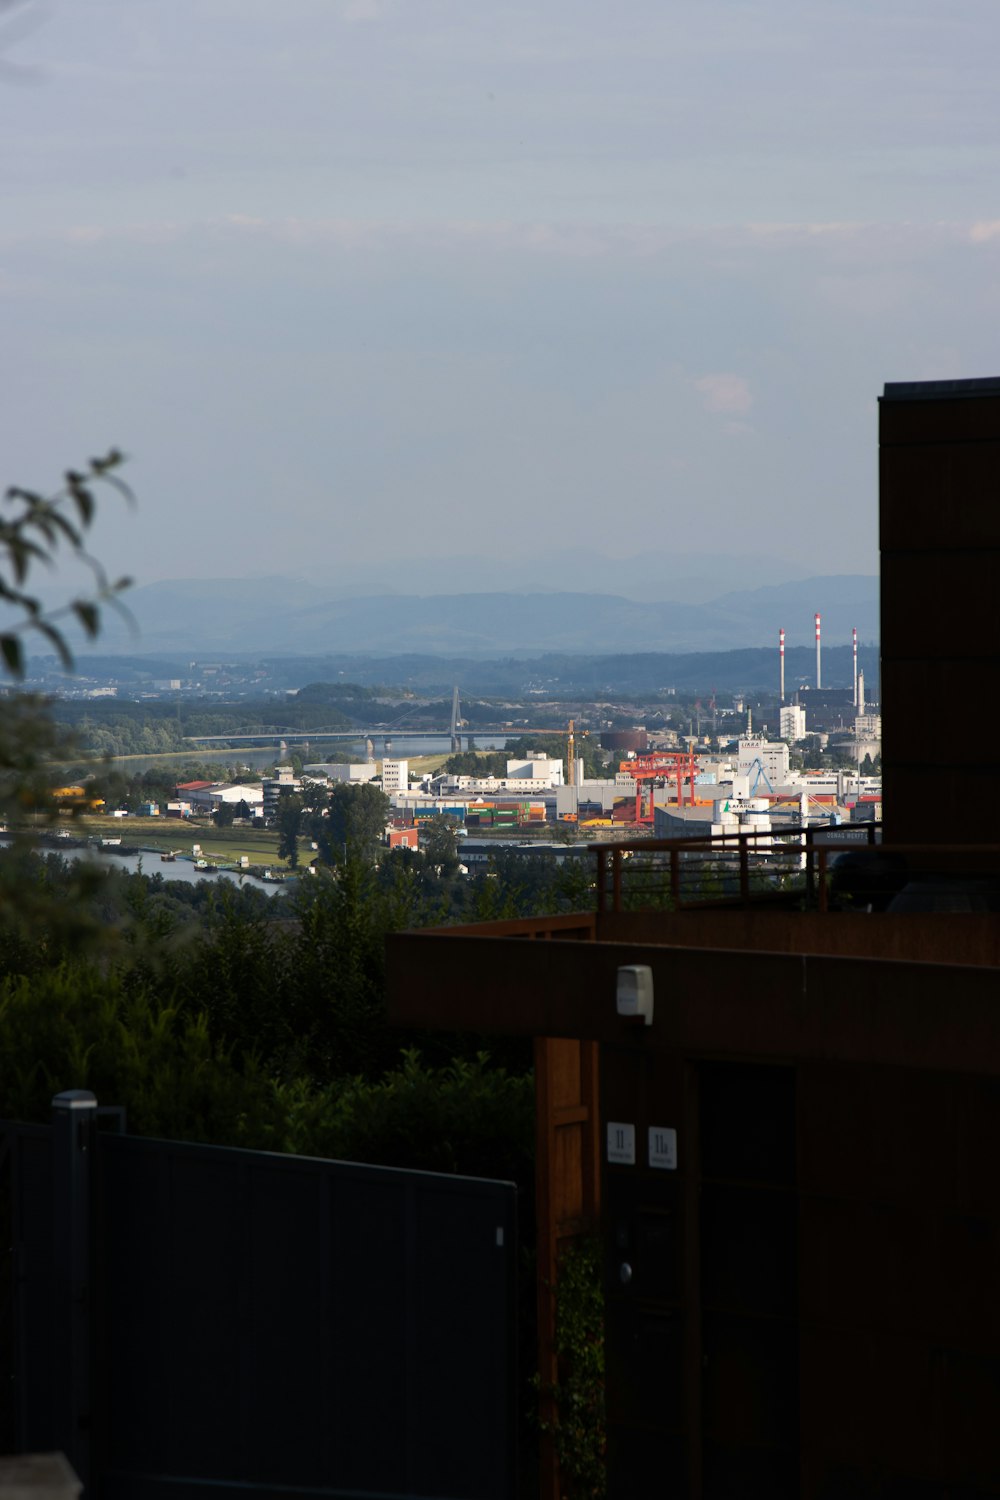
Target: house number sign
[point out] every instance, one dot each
(663, 1147)
(621, 1143)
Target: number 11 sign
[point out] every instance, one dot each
(621, 1143)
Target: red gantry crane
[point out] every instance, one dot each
(661, 766)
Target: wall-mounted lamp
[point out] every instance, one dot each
(635, 992)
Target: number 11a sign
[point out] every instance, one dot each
(663, 1147)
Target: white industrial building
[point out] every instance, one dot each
(274, 786)
(792, 722)
(205, 796)
(395, 776)
(252, 795)
(524, 778)
(488, 786)
(542, 768)
(360, 771)
(769, 757)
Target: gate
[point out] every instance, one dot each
(190, 1319)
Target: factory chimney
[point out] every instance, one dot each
(781, 662)
(819, 678)
(861, 692)
(855, 635)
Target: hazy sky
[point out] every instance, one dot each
(401, 279)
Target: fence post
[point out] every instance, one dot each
(74, 1130)
(810, 865)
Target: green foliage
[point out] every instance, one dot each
(78, 1026)
(441, 843)
(123, 734)
(579, 1431)
(123, 1036)
(481, 763)
(351, 824)
(119, 726)
(529, 885)
(225, 814)
(34, 530)
(290, 823)
(466, 1117)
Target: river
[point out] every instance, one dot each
(149, 863)
(312, 752)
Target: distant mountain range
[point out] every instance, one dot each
(275, 616)
(650, 576)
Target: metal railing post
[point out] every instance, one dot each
(810, 865)
(744, 847)
(74, 1132)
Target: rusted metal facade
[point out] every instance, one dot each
(940, 544)
(800, 1197)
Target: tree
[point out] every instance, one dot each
(36, 530)
(290, 827)
(440, 843)
(352, 823)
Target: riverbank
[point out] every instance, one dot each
(156, 836)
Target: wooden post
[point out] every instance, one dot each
(567, 1196)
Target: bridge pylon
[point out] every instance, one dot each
(456, 738)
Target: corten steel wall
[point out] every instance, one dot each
(811, 1307)
(940, 540)
(806, 1305)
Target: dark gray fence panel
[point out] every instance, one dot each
(31, 1304)
(271, 1326)
(291, 1323)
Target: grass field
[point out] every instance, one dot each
(228, 845)
(420, 764)
(260, 845)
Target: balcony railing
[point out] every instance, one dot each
(768, 867)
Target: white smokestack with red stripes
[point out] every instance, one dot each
(781, 662)
(819, 675)
(855, 635)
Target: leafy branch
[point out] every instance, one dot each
(32, 532)
(579, 1432)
